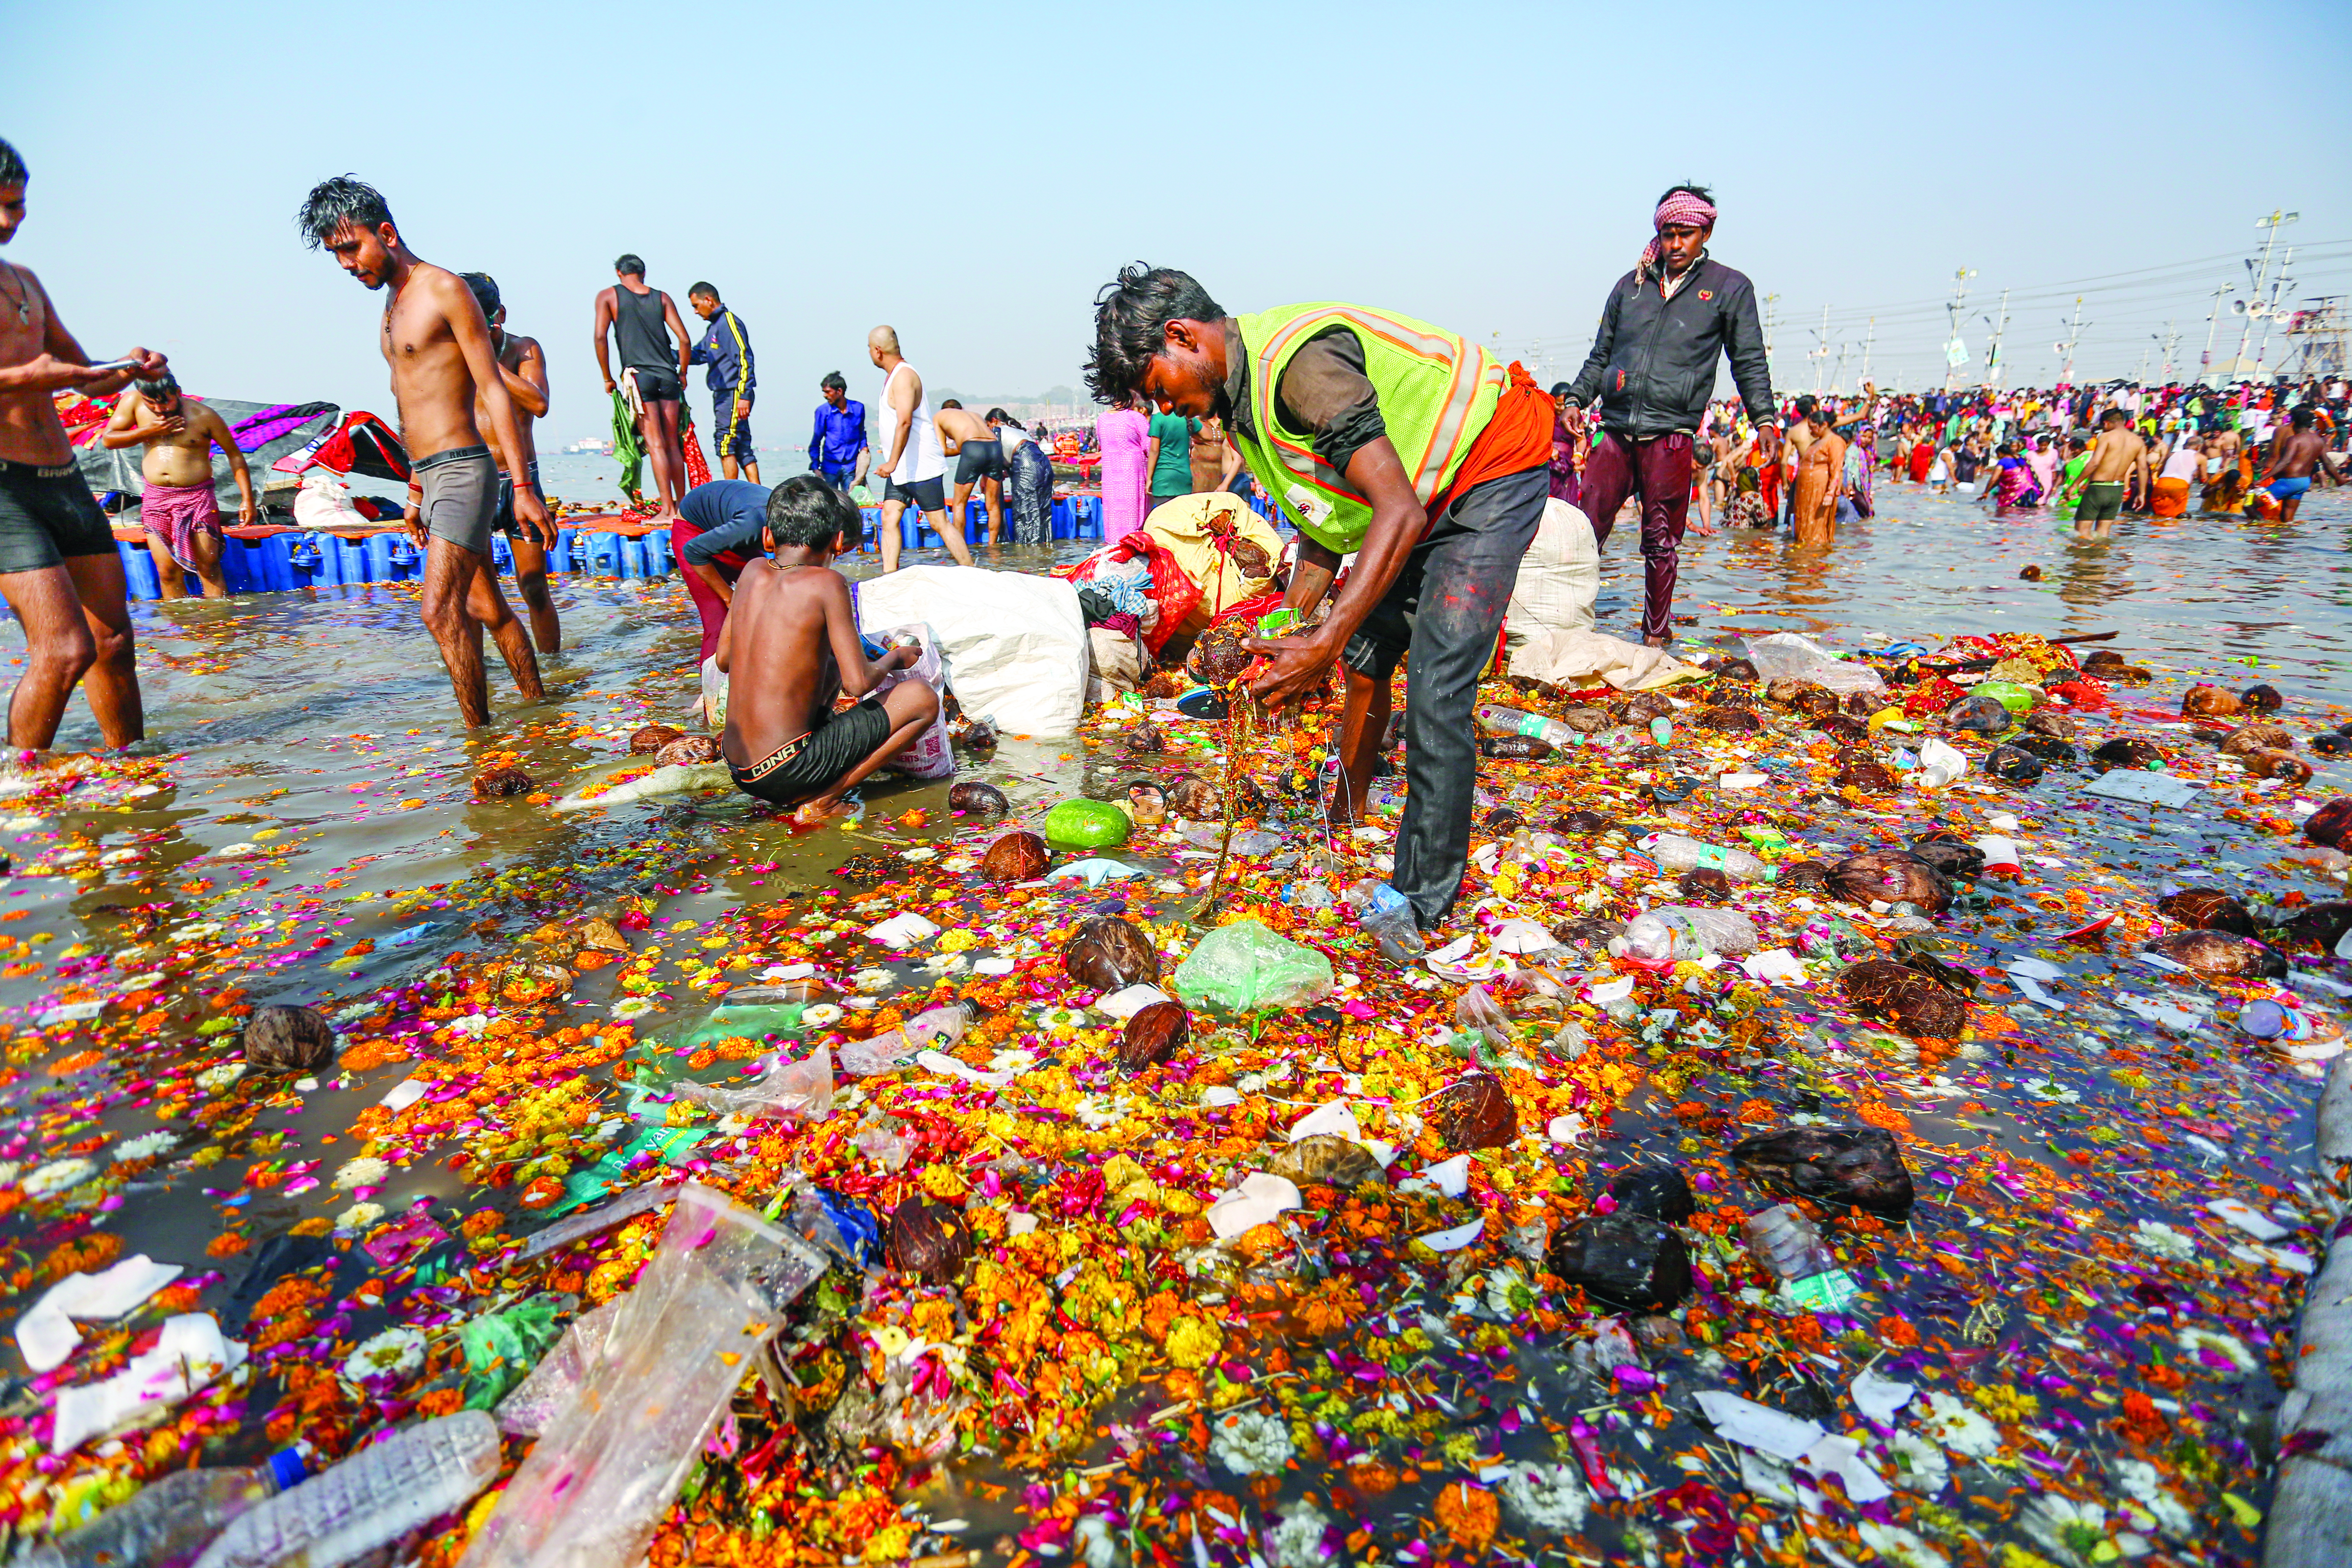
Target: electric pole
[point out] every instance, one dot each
(2172, 342)
(1992, 354)
(2213, 320)
(1868, 338)
(1769, 316)
(1821, 351)
(2066, 349)
(2281, 284)
(1837, 377)
(2249, 308)
(1959, 296)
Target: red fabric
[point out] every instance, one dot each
(697, 471)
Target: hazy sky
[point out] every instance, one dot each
(973, 174)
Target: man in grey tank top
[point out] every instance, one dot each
(643, 323)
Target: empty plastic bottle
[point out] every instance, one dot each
(1383, 912)
(1684, 931)
(1679, 852)
(171, 1520)
(378, 1495)
(1496, 719)
(1788, 1245)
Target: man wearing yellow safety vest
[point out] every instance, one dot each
(1383, 437)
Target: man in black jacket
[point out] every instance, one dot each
(1653, 367)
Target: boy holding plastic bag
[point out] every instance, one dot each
(789, 643)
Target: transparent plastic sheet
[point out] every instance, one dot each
(612, 1460)
(804, 1087)
(552, 1385)
(1794, 654)
(1245, 967)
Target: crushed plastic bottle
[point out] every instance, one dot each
(377, 1495)
(1383, 912)
(1677, 931)
(931, 1030)
(1498, 720)
(170, 1519)
(1787, 1245)
(1679, 852)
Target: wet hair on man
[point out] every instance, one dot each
(807, 511)
(162, 389)
(485, 291)
(1131, 316)
(630, 264)
(343, 200)
(12, 165)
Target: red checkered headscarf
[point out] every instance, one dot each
(1679, 208)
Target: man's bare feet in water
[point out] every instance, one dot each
(1661, 643)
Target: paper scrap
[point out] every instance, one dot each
(1760, 1426)
(1880, 1397)
(47, 1334)
(1774, 967)
(1455, 1239)
(2143, 788)
(1126, 1003)
(2034, 994)
(2246, 1217)
(188, 1355)
(903, 931)
(1332, 1119)
(1841, 1457)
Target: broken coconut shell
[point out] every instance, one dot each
(1153, 1035)
(688, 750)
(1327, 1160)
(2207, 909)
(1735, 669)
(1015, 858)
(1806, 876)
(2260, 699)
(644, 742)
(1660, 1192)
(1948, 853)
(975, 796)
(2318, 925)
(498, 783)
(1108, 953)
(1729, 721)
(1903, 996)
(927, 1240)
(1581, 824)
(1836, 1166)
(2257, 735)
(1704, 885)
(1894, 876)
(1843, 730)
(2020, 764)
(1868, 778)
(1145, 741)
(1809, 698)
(1194, 798)
(2279, 765)
(2128, 752)
(288, 1039)
(1474, 1111)
(2219, 952)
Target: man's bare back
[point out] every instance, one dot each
(783, 646)
(2114, 456)
(2297, 454)
(958, 426)
(518, 356)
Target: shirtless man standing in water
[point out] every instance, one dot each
(178, 509)
(58, 571)
(2297, 455)
(2115, 457)
(522, 366)
(438, 347)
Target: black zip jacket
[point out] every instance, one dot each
(1653, 362)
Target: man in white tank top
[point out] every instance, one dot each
(913, 465)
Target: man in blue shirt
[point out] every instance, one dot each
(837, 449)
(726, 348)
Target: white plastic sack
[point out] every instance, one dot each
(1559, 577)
(1795, 654)
(929, 756)
(322, 500)
(1014, 645)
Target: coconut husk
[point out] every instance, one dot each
(688, 750)
(1839, 1167)
(1894, 876)
(1474, 1111)
(927, 1240)
(972, 795)
(2128, 752)
(288, 1039)
(2330, 824)
(2257, 735)
(2279, 765)
(1108, 953)
(2207, 909)
(501, 783)
(1325, 1159)
(1153, 1035)
(2260, 699)
(1015, 858)
(1729, 721)
(1912, 1002)
(2219, 952)
(2208, 702)
(644, 742)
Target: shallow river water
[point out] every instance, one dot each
(312, 792)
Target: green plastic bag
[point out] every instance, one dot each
(2016, 699)
(1087, 824)
(502, 1347)
(1245, 968)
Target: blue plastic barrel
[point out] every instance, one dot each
(139, 570)
(633, 556)
(351, 562)
(501, 556)
(604, 554)
(658, 556)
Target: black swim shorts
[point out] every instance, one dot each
(803, 769)
(658, 385)
(979, 460)
(503, 519)
(47, 513)
(923, 495)
(2101, 503)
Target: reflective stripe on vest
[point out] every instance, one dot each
(1436, 394)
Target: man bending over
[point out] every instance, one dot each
(789, 643)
